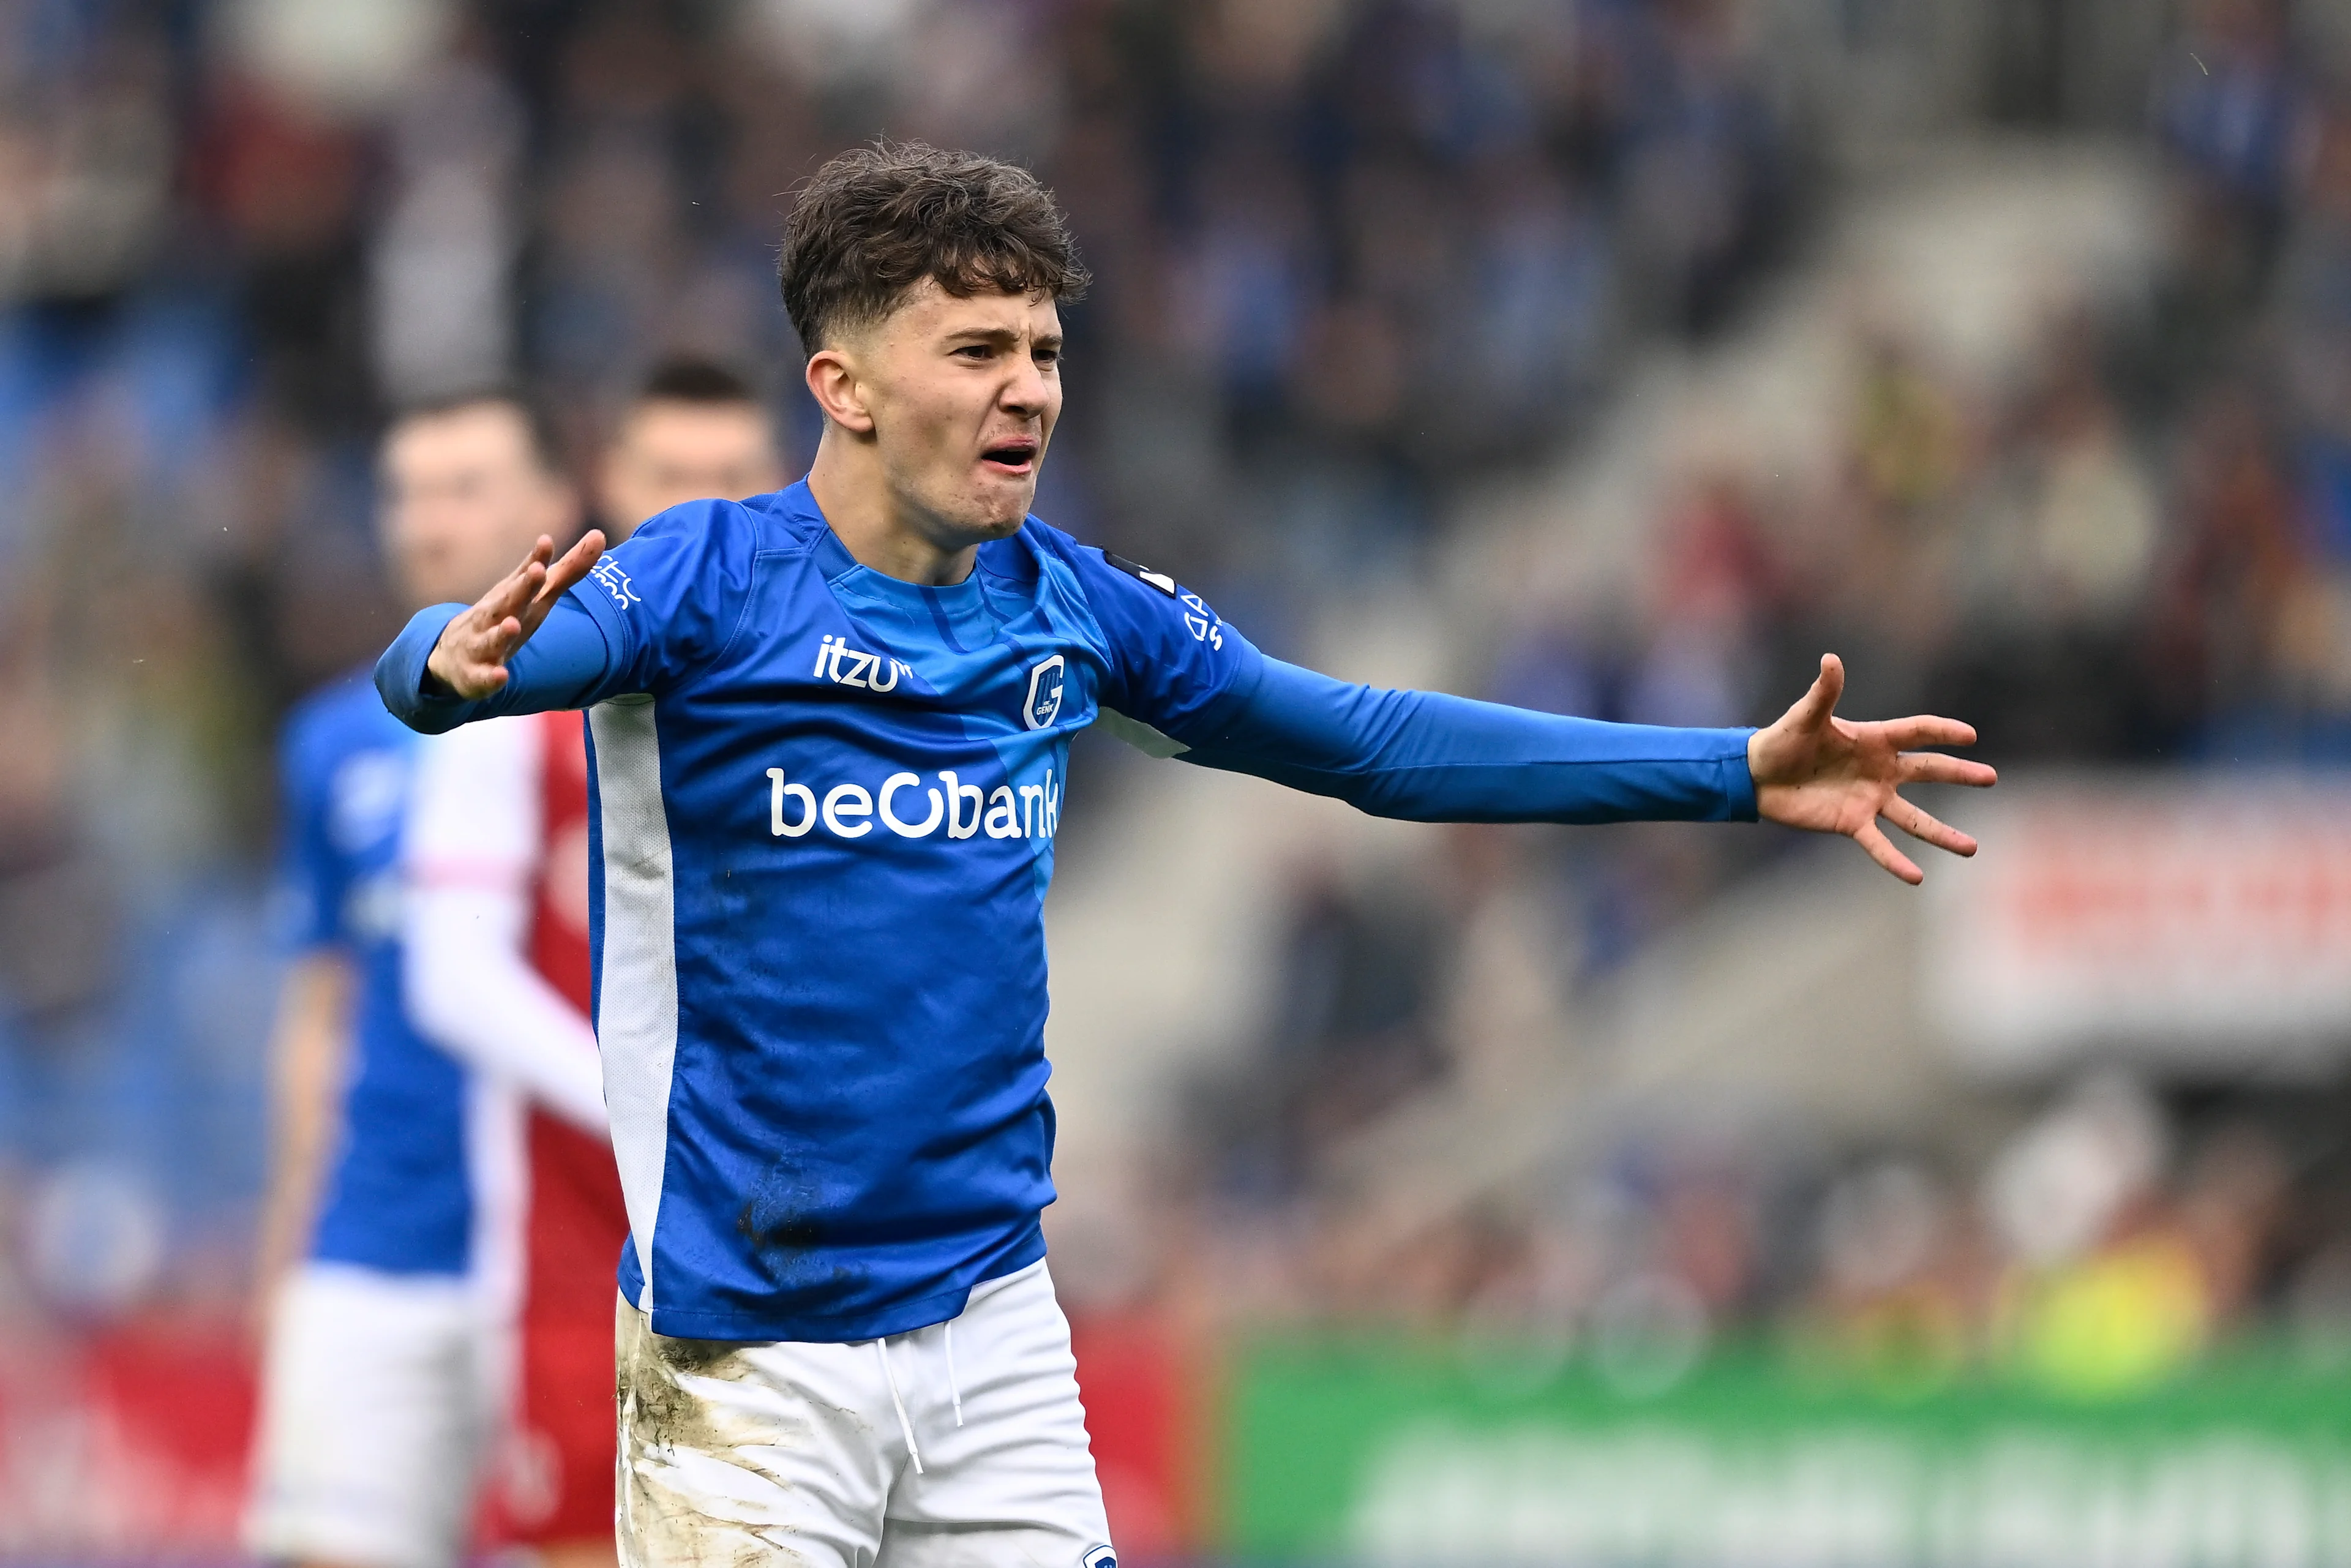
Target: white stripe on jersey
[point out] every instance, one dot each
(637, 1001)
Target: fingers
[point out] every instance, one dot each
(1927, 729)
(577, 563)
(481, 681)
(1883, 852)
(534, 563)
(502, 639)
(1812, 710)
(1934, 767)
(518, 588)
(482, 671)
(1923, 827)
(471, 658)
(465, 670)
(478, 681)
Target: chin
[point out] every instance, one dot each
(1000, 517)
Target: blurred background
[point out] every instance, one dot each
(1661, 1194)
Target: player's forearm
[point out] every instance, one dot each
(1426, 757)
(560, 668)
(471, 990)
(307, 1054)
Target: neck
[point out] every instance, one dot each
(871, 522)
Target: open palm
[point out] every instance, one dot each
(1828, 775)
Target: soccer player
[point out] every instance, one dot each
(375, 1223)
(695, 429)
(497, 929)
(829, 737)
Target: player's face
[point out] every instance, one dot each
(964, 395)
(670, 452)
(464, 499)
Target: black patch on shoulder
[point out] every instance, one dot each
(1158, 580)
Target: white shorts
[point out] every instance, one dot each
(372, 1407)
(735, 1453)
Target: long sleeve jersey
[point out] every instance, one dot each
(825, 808)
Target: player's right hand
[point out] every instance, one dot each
(471, 657)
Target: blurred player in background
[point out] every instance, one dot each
(697, 429)
(380, 1216)
(499, 970)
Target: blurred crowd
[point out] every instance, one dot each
(2131, 546)
(1352, 256)
(2106, 1247)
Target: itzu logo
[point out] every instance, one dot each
(1099, 1557)
(1043, 704)
(844, 665)
(615, 582)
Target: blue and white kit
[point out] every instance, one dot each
(825, 804)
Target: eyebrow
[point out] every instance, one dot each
(1000, 335)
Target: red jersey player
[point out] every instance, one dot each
(499, 969)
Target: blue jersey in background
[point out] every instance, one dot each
(397, 1198)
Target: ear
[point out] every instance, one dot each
(833, 382)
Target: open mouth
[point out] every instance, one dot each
(1018, 455)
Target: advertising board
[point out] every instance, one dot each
(1392, 1453)
(2201, 921)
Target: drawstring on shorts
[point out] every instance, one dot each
(905, 1427)
(898, 1400)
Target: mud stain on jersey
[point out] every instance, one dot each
(786, 1221)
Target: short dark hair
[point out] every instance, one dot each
(875, 222)
(538, 425)
(686, 378)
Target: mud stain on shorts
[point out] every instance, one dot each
(675, 1415)
(657, 1407)
(702, 1357)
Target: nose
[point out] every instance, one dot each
(1025, 391)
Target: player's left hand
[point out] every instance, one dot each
(1828, 775)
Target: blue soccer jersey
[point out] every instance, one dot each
(824, 813)
(397, 1198)
(824, 834)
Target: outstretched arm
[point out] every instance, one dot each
(1431, 758)
(1426, 757)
